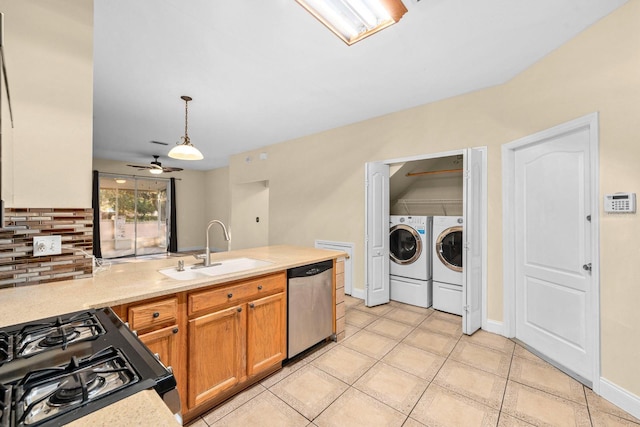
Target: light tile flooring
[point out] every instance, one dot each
(402, 365)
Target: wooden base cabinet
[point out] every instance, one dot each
(160, 326)
(236, 333)
(218, 340)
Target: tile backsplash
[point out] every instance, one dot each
(19, 267)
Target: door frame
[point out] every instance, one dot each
(483, 218)
(589, 121)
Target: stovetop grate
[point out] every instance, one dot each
(46, 394)
(36, 338)
(108, 336)
(5, 405)
(6, 347)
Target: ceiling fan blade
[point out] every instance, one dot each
(159, 142)
(168, 169)
(140, 167)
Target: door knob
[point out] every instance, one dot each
(587, 267)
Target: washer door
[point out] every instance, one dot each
(405, 245)
(449, 248)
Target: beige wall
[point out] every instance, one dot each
(250, 201)
(217, 205)
(316, 182)
(190, 200)
(434, 187)
(46, 157)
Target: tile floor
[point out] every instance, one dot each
(402, 365)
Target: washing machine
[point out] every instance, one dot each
(447, 263)
(410, 259)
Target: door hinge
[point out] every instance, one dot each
(467, 245)
(467, 174)
(466, 308)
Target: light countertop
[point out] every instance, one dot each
(129, 282)
(142, 409)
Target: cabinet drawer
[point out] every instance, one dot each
(340, 280)
(232, 294)
(146, 316)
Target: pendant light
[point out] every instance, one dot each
(184, 150)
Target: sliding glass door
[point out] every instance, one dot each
(133, 216)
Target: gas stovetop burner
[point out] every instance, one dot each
(76, 388)
(47, 393)
(63, 334)
(39, 337)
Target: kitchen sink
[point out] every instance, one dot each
(217, 268)
(186, 274)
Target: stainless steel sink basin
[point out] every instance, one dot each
(218, 268)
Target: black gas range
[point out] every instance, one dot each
(56, 370)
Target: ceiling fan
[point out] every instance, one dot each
(156, 167)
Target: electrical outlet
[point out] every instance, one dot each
(47, 245)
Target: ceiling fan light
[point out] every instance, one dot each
(156, 171)
(185, 151)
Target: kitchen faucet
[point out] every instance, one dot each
(207, 252)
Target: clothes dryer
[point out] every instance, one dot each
(410, 259)
(447, 263)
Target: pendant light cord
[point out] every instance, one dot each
(186, 121)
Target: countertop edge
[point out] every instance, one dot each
(129, 282)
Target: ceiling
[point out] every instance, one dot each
(263, 72)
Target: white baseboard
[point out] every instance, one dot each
(620, 397)
(494, 327)
(357, 293)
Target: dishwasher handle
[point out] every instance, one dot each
(310, 270)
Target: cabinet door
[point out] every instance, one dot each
(163, 342)
(266, 332)
(216, 353)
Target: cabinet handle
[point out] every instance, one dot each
(229, 295)
(156, 314)
(175, 330)
(251, 305)
(259, 287)
(239, 309)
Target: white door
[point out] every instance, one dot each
(553, 285)
(376, 234)
(473, 231)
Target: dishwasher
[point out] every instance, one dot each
(310, 306)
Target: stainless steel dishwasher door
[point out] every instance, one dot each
(310, 307)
